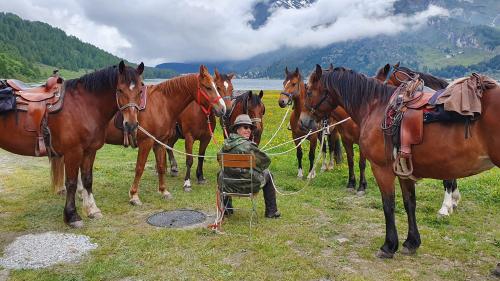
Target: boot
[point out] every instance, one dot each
(228, 205)
(270, 198)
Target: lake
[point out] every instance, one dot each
(243, 84)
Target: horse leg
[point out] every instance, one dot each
(362, 178)
(300, 174)
(351, 182)
(337, 150)
(89, 206)
(160, 170)
(72, 163)
(455, 193)
(199, 170)
(189, 162)
(142, 156)
(412, 241)
(385, 180)
(174, 169)
(312, 154)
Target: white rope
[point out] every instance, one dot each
(312, 170)
(295, 147)
(279, 128)
(305, 136)
(171, 148)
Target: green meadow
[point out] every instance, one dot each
(325, 233)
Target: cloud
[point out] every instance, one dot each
(192, 30)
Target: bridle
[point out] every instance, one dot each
(313, 109)
(292, 94)
(200, 93)
(132, 104)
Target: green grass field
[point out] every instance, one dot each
(302, 245)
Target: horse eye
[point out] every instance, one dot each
(208, 88)
(293, 84)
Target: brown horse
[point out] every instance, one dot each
(252, 105)
(194, 125)
(78, 129)
(365, 100)
(294, 91)
(165, 101)
(394, 77)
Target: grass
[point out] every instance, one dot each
(302, 245)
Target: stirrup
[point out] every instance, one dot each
(403, 166)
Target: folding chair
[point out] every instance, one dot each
(243, 161)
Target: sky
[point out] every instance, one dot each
(156, 31)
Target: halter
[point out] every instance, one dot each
(201, 93)
(133, 104)
(290, 95)
(313, 109)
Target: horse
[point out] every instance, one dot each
(77, 131)
(293, 92)
(365, 100)
(165, 101)
(195, 124)
(398, 74)
(252, 105)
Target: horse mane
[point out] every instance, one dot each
(356, 89)
(184, 83)
(429, 80)
(254, 100)
(102, 80)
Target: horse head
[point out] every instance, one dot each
(129, 88)
(208, 95)
(224, 85)
(256, 110)
(291, 87)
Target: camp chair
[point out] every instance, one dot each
(243, 161)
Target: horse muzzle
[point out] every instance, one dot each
(130, 134)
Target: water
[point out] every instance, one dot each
(243, 84)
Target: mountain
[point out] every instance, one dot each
(451, 46)
(29, 50)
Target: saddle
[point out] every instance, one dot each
(404, 121)
(38, 102)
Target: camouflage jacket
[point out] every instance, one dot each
(240, 145)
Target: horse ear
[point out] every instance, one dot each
(216, 72)
(203, 70)
(387, 68)
(140, 68)
(296, 71)
(397, 64)
(121, 67)
(318, 71)
(330, 67)
(250, 94)
(230, 76)
(261, 94)
(286, 70)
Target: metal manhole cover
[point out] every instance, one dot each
(176, 218)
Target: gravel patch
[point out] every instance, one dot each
(34, 251)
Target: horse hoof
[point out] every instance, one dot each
(76, 224)
(96, 216)
(408, 252)
(351, 190)
(167, 196)
(202, 181)
(187, 189)
(135, 202)
(61, 192)
(361, 193)
(383, 255)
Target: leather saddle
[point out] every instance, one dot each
(38, 102)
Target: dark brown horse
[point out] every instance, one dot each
(394, 77)
(252, 105)
(294, 91)
(165, 101)
(365, 100)
(193, 124)
(78, 129)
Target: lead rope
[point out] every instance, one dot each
(277, 130)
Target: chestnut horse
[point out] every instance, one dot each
(194, 125)
(451, 192)
(293, 92)
(365, 100)
(165, 101)
(78, 129)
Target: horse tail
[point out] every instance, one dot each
(57, 174)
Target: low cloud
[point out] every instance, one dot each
(192, 30)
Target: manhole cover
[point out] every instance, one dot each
(177, 218)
